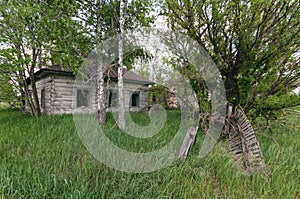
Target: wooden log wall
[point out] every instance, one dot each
(60, 95)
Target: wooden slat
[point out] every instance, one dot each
(243, 141)
(188, 141)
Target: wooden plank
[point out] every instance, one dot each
(188, 141)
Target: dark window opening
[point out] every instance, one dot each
(154, 99)
(112, 98)
(83, 98)
(43, 98)
(135, 98)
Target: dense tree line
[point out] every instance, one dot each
(41, 33)
(255, 44)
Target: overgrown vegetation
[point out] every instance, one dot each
(43, 157)
(259, 70)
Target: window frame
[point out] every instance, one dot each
(112, 98)
(43, 98)
(88, 98)
(136, 99)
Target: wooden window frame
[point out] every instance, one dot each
(135, 97)
(43, 98)
(88, 98)
(112, 98)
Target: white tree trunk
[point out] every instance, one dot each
(121, 117)
(101, 102)
(101, 95)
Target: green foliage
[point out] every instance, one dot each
(255, 45)
(36, 34)
(9, 68)
(43, 157)
(8, 94)
(43, 28)
(138, 13)
(158, 94)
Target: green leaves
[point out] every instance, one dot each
(252, 42)
(138, 13)
(37, 34)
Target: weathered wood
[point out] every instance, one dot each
(243, 142)
(60, 94)
(188, 141)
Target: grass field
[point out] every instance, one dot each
(44, 158)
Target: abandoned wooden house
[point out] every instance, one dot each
(58, 93)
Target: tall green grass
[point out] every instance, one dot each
(44, 158)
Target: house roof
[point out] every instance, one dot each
(128, 76)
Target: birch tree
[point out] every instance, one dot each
(121, 117)
(102, 18)
(101, 96)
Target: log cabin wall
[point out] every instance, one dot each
(44, 86)
(63, 99)
(131, 88)
(58, 95)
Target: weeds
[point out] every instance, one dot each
(43, 157)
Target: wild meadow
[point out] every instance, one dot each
(43, 157)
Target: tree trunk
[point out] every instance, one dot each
(121, 117)
(101, 105)
(231, 86)
(28, 97)
(23, 101)
(35, 99)
(36, 104)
